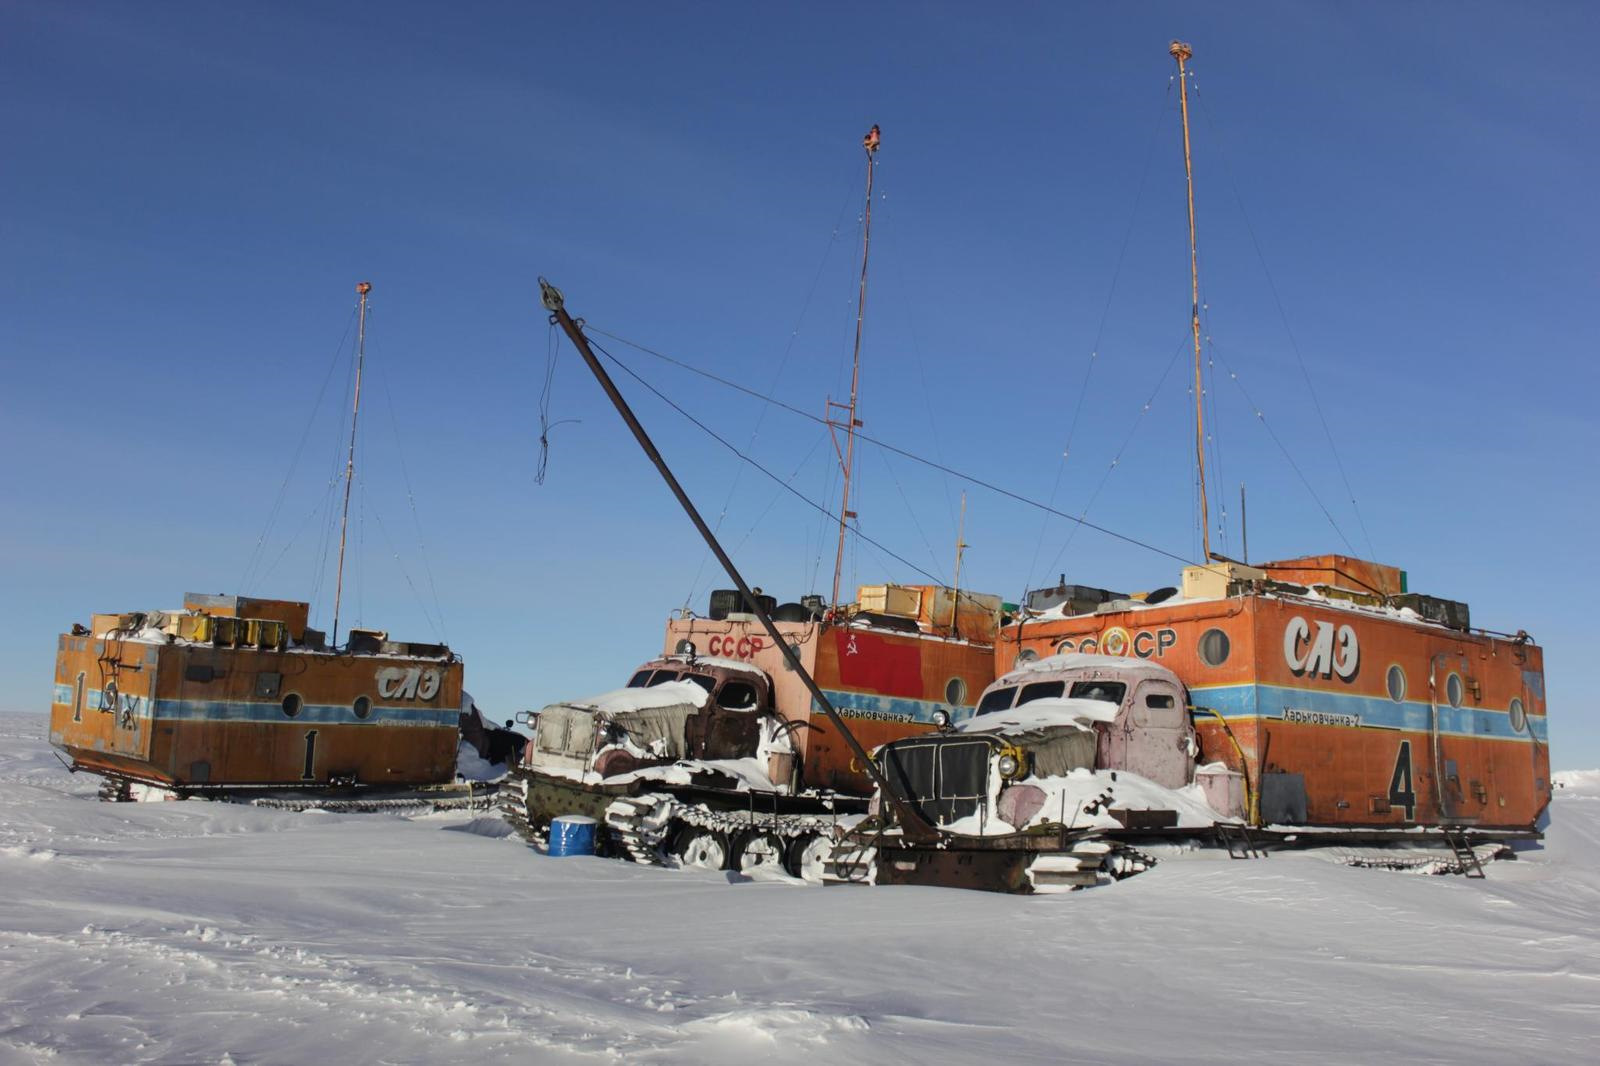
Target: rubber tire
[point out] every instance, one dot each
(688, 845)
(776, 856)
(796, 859)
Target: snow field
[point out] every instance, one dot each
(211, 933)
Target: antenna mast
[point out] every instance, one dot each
(362, 289)
(961, 549)
(851, 423)
(1182, 53)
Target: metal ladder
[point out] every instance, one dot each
(1467, 864)
(1235, 836)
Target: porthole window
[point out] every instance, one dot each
(292, 704)
(1214, 647)
(1026, 655)
(955, 693)
(1397, 683)
(363, 707)
(1453, 689)
(1519, 716)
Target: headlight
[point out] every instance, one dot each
(1009, 765)
(941, 718)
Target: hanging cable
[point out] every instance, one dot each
(249, 576)
(1283, 316)
(1116, 460)
(1262, 418)
(777, 376)
(416, 520)
(922, 460)
(545, 425)
(1105, 314)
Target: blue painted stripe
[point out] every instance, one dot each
(1270, 701)
(310, 713)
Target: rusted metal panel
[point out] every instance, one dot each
(197, 715)
(1360, 703)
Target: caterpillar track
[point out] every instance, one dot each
(469, 796)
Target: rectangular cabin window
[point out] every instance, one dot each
(1160, 700)
(705, 681)
(661, 677)
(639, 680)
(1108, 691)
(1041, 690)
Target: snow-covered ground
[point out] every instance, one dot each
(210, 933)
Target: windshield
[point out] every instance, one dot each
(639, 679)
(705, 681)
(1108, 691)
(996, 700)
(661, 677)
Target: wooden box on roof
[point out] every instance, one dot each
(293, 614)
(1339, 571)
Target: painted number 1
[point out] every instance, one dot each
(309, 773)
(1401, 792)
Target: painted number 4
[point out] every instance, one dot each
(1401, 792)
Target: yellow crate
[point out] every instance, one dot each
(196, 627)
(227, 631)
(264, 632)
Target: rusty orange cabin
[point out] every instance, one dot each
(1341, 698)
(887, 663)
(237, 693)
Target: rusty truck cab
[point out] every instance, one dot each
(729, 725)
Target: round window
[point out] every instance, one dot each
(1519, 716)
(1452, 689)
(1214, 647)
(1397, 683)
(363, 707)
(1026, 655)
(292, 704)
(955, 693)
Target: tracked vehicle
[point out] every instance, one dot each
(728, 760)
(1243, 719)
(237, 697)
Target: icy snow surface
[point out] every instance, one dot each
(205, 933)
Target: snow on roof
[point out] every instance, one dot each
(1078, 660)
(1061, 610)
(623, 700)
(1042, 714)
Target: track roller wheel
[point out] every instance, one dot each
(703, 848)
(758, 850)
(807, 856)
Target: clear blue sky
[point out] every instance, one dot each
(190, 192)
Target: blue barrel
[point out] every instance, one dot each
(571, 834)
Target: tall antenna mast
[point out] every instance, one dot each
(848, 454)
(1182, 53)
(961, 549)
(362, 289)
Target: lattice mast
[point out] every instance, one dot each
(1182, 53)
(362, 289)
(847, 454)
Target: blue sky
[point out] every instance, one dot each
(1395, 203)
